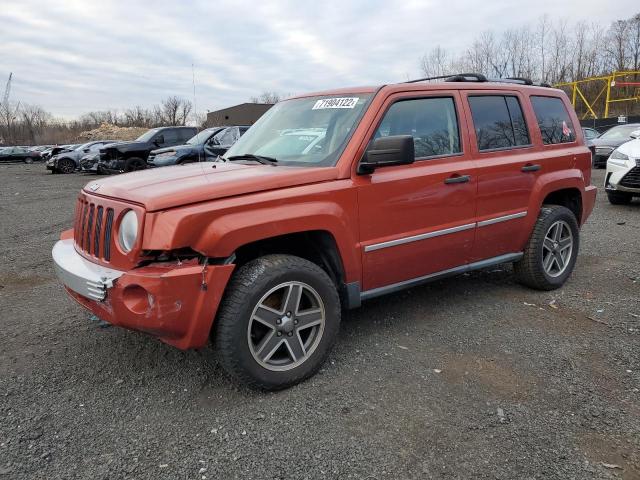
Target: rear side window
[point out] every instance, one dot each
(185, 134)
(431, 121)
(553, 120)
(499, 122)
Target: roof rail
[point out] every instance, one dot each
(478, 77)
(426, 79)
(467, 77)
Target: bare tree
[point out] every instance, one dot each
(435, 63)
(617, 44)
(175, 110)
(267, 97)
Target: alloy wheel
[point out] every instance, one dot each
(286, 326)
(557, 248)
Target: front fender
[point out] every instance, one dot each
(217, 230)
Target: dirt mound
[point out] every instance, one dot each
(107, 131)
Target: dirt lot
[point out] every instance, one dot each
(472, 377)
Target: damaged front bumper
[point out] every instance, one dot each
(174, 301)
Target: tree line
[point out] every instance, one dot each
(549, 51)
(23, 124)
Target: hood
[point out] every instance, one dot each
(631, 148)
(126, 146)
(179, 149)
(607, 142)
(167, 187)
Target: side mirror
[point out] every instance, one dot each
(635, 134)
(387, 151)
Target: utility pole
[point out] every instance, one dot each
(7, 91)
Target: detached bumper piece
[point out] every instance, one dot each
(80, 275)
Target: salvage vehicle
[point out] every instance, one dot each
(68, 161)
(622, 179)
(48, 153)
(606, 143)
(18, 154)
(409, 183)
(90, 162)
(207, 145)
(130, 156)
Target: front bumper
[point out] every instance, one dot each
(175, 302)
(615, 174)
(80, 275)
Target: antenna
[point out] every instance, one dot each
(195, 104)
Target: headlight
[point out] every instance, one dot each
(618, 158)
(128, 233)
(165, 154)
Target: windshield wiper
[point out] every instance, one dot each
(250, 156)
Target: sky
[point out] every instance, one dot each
(74, 56)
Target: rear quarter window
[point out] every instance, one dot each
(498, 122)
(553, 119)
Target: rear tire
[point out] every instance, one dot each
(619, 198)
(134, 163)
(551, 253)
(264, 340)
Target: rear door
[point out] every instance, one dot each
(507, 168)
(418, 219)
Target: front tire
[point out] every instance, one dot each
(619, 198)
(66, 165)
(551, 253)
(133, 164)
(277, 322)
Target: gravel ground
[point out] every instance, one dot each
(472, 377)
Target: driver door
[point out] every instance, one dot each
(418, 219)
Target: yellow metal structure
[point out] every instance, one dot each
(577, 91)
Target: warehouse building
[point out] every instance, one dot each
(243, 114)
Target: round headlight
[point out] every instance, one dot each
(128, 231)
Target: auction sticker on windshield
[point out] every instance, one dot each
(343, 102)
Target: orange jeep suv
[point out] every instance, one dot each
(331, 199)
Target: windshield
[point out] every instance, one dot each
(146, 136)
(201, 137)
(619, 133)
(309, 131)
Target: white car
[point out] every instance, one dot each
(622, 180)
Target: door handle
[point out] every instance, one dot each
(530, 167)
(457, 179)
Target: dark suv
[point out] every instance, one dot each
(129, 156)
(205, 146)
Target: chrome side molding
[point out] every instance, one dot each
(505, 218)
(438, 233)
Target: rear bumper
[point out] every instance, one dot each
(173, 302)
(588, 201)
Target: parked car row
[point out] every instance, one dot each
(157, 147)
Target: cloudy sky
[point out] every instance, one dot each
(73, 56)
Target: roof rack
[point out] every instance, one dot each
(478, 77)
